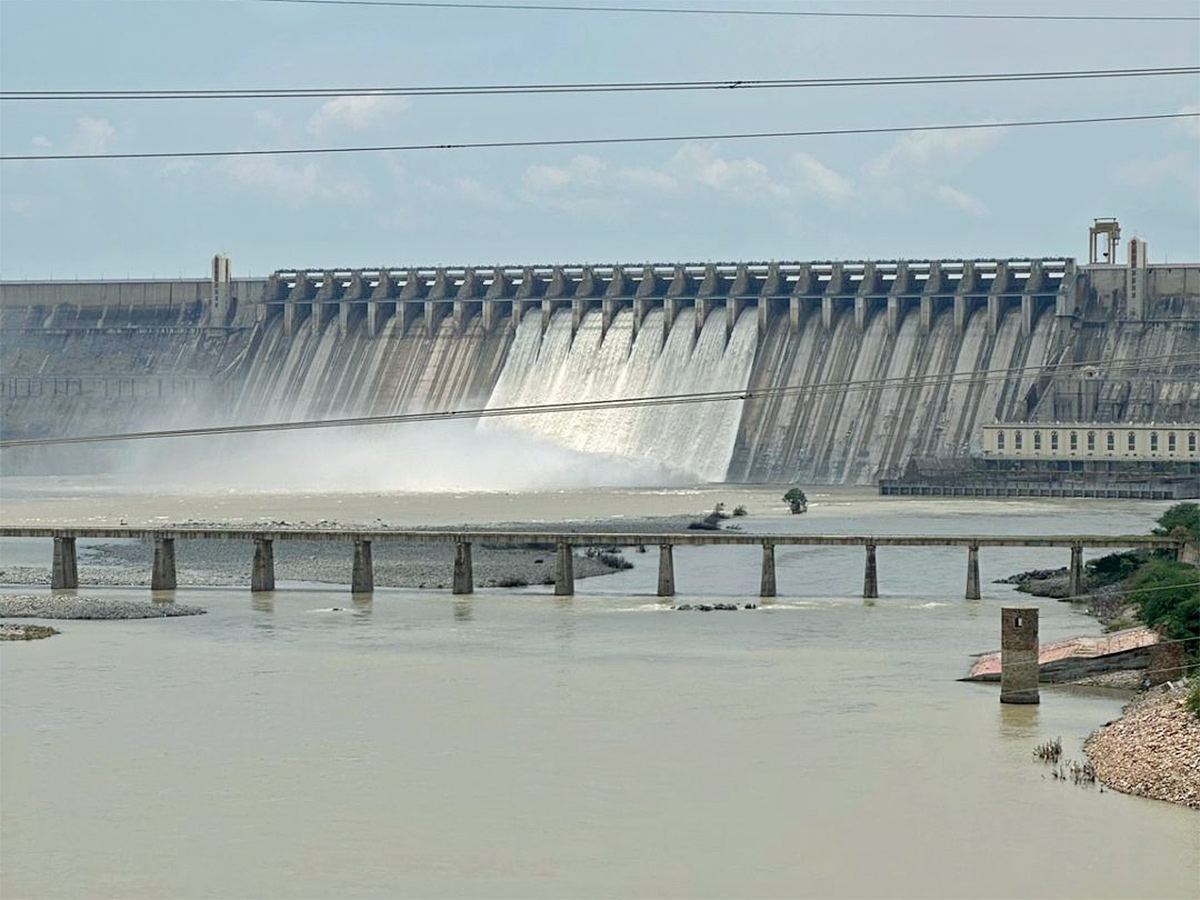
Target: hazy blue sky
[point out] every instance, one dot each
(995, 193)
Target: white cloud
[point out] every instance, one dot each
(355, 113)
(961, 200)
(745, 178)
(920, 149)
(40, 140)
(1176, 170)
(474, 191)
(1190, 127)
(295, 185)
(649, 179)
(92, 135)
(18, 205)
(817, 178)
(587, 183)
(177, 167)
(582, 171)
(268, 120)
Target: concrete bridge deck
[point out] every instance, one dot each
(65, 569)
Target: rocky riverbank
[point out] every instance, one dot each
(228, 562)
(13, 632)
(1106, 602)
(33, 606)
(1153, 750)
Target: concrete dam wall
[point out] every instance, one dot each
(99, 357)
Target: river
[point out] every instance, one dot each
(514, 744)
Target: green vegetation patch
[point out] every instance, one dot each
(1181, 520)
(1167, 596)
(1116, 566)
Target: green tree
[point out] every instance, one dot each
(1167, 595)
(796, 500)
(1116, 567)
(1181, 515)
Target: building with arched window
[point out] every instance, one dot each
(1149, 461)
(1152, 441)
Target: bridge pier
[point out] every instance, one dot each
(564, 585)
(362, 577)
(1019, 655)
(64, 572)
(262, 576)
(871, 575)
(464, 576)
(666, 570)
(767, 582)
(162, 576)
(1076, 575)
(973, 572)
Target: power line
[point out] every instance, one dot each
(593, 87)
(1077, 598)
(580, 142)
(713, 11)
(956, 378)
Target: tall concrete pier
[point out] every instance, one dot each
(1075, 582)
(666, 570)
(870, 575)
(64, 573)
(162, 576)
(464, 577)
(767, 587)
(262, 575)
(362, 576)
(1019, 655)
(564, 585)
(972, 572)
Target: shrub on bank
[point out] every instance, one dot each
(1185, 516)
(1115, 566)
(1193, 697)
(1167, 596)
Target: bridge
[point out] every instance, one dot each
(65, 571)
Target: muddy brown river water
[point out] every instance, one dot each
(514, 744)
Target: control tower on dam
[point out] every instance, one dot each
(850, 369)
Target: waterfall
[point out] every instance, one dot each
(321, 372)
(595, 365)
(831, 431)
(866, 391)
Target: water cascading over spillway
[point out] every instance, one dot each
(852, 369)
(320, 372)
(832, 428)
(595, 365)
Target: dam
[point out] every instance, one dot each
(847, 371)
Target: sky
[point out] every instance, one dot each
(976, 193)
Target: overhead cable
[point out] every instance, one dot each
(592, 87)
(580, 142)
(952, 379)
(734, 11)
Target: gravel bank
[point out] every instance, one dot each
(227, 562)
(1153, 750)
(13, 632)
(29, 606)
